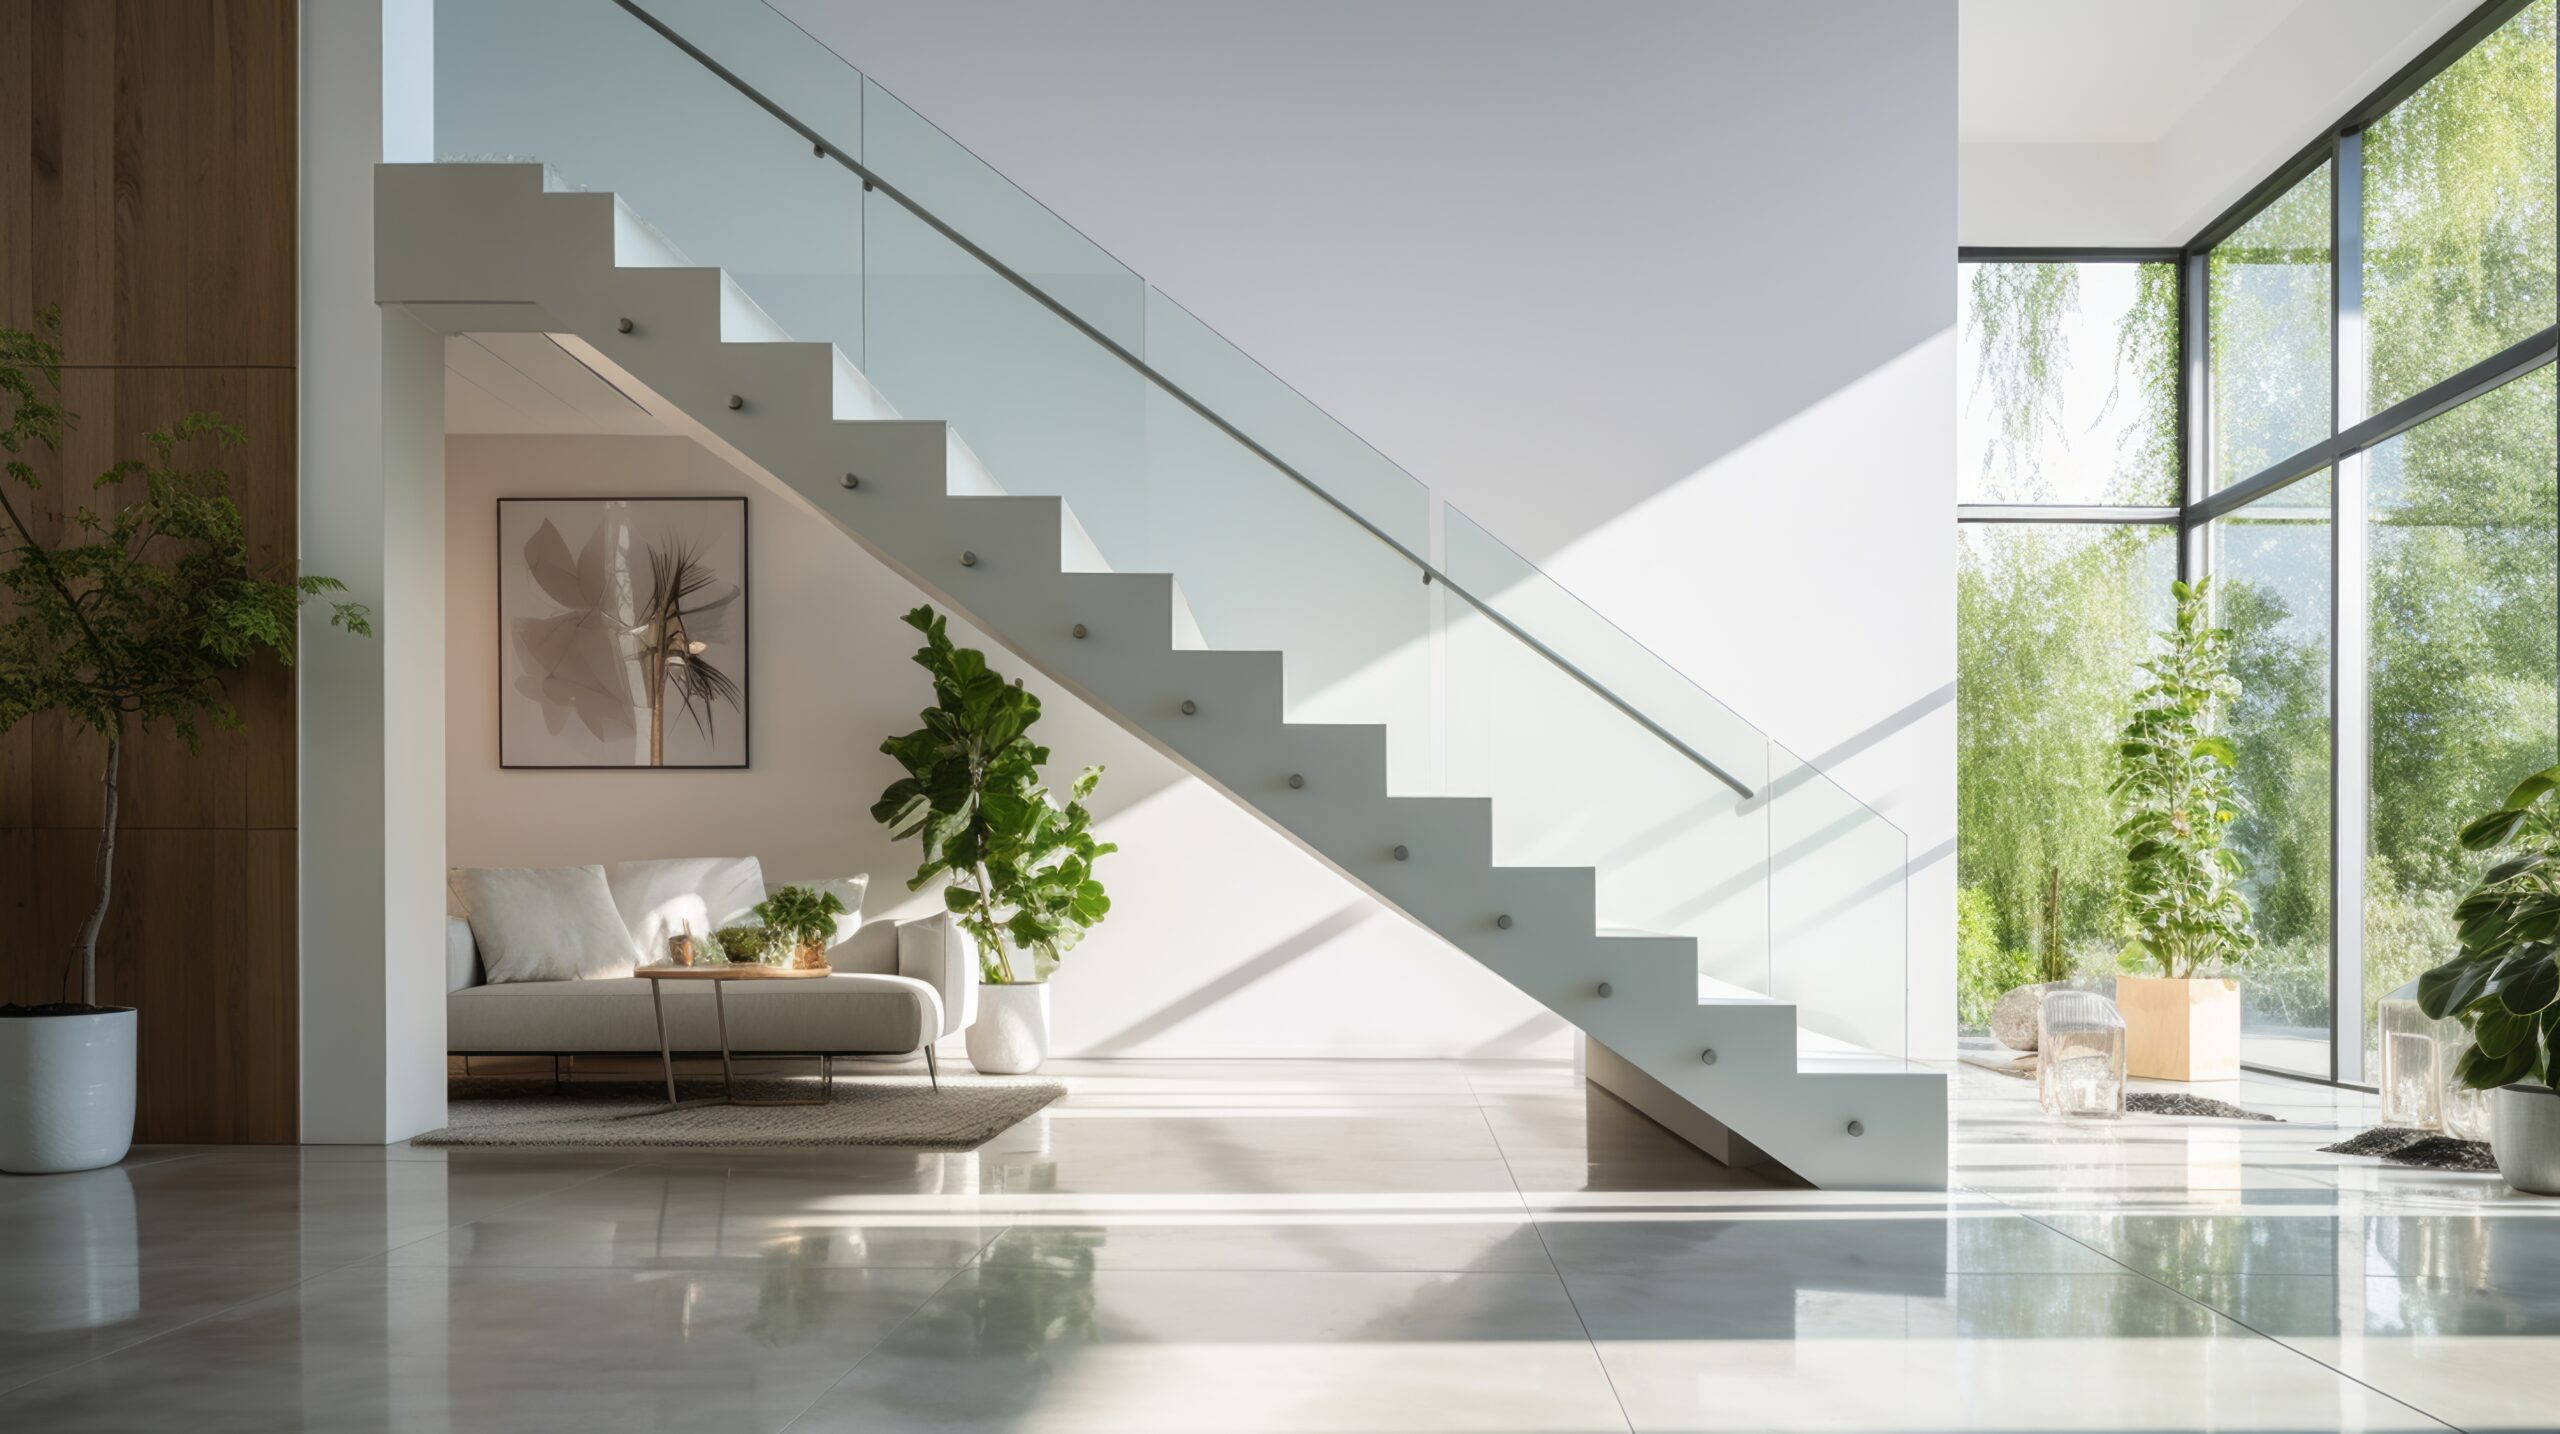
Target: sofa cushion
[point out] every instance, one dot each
(545, 923)
(841, 1014)
(849, 890)
(696, 895)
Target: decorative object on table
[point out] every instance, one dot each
(2423, 1149)
(743, 945)
(1017, 864)
(623, 627)
(2013, 1019)
(2080, 1055)
(686, 949)
(116, 622)
(803, 920)
(2504, 984)
(962, 1113)
(2419, 1056)
(2175, 797)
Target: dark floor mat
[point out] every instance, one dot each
(2150, 1102)
(2425, 1150)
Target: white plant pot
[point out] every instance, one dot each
(66, 1091)
(2524, 1132)
(1011, 1034)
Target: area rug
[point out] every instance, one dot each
(2422, 1149)
(903, 1111)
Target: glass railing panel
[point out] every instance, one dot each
(1500, 577)
(1202, 363)
(609, 104)
(940, 174)
(1575, 781)
(1838, 911)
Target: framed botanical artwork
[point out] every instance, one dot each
(622, 632)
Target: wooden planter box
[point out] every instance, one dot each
(2180, 1029)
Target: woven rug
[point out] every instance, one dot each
(899, 1110)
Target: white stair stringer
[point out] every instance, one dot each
(470, 248)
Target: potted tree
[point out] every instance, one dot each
(2175, 801)
(116, 621)
(2504, 984)
(1017, 865)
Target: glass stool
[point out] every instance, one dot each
(2080, 1056)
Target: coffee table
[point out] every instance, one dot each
(720, 977)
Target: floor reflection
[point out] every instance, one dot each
(1291, 1246)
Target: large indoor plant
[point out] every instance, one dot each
(2504, 983)
(2175, 799)
(119, 620)
(1017, 865)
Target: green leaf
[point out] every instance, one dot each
(2529, 982)
(2452, 987)
(2481, 1071)
(2498, 1032)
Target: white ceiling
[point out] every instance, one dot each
(2097, 71)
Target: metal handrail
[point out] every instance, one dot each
(828, 149)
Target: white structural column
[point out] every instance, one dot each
(372, 515)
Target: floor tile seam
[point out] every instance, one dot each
(2220, 1313)
(10, 1391)
(1598, 1360)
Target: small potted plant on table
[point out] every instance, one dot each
(803, 918)
(1017, 865)
(2504, 984)
(2175, 801)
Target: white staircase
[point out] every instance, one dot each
(486, 248)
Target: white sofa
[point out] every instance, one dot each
(894, 989)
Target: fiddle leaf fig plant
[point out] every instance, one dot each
(801, 915)
(2175, 800)
(2505, 982)
(1017, 863)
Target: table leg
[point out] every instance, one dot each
(728, 1078)
(666, 1057)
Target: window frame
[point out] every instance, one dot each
(2353, 433)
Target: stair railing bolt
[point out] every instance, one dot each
(968, 560)
(737, 401)
(1707, 1056)
(1857, 1127)
(1079, 630)
(1296, 781)
(1402, 854)
(1503, 921)
(852, 480)
(622, 326)
(1607, 990)
(1190, 708)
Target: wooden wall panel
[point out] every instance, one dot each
(147, 188)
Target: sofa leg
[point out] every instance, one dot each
(932, 1068)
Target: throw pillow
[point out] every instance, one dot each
(548, 923)
(695, 895)
(849, 890)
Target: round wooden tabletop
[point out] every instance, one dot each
(744, 971)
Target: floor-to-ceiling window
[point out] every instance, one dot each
(2337, 402)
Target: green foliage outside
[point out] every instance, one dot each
(2462, 532)
(129, 618)
(2505, 983)
(2175, 799)
(1019, 866)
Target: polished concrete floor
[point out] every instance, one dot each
(1292, 1246)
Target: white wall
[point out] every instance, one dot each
(1660, 291)
(1224, 939)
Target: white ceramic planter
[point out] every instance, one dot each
(1011, 1034)
(66, 1091)
(2524, 1131)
